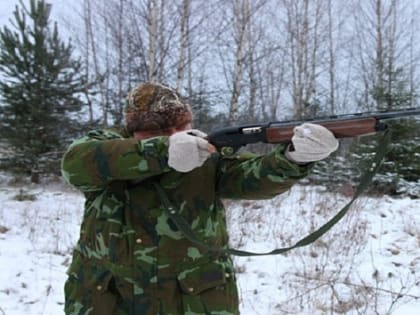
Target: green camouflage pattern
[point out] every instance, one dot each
(130, 258)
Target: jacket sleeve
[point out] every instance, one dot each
(101, 157)
(251, 176)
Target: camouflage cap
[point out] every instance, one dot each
(152, 106)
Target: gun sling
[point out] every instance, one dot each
(381, 150)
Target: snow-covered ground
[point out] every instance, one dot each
(368, 264)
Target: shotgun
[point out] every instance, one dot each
(342, 126)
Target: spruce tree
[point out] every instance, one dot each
(39, 88)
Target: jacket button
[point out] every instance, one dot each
(99, 287)
(191, 290)
(227, 275)
(139, 241)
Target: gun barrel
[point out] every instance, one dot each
(378, 115)
(396, 114)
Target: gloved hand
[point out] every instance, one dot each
(311, 143)
(188, 149)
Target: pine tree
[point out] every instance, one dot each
(40, 88)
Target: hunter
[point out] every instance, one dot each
(131, 257)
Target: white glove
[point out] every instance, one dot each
(187, 150)
(311, 143)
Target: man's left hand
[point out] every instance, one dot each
(311, 143)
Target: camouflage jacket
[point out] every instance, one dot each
(130, 258)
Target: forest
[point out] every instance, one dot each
(236, 61)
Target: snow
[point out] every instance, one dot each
(36, 238)
(371, 259)
(367, 259)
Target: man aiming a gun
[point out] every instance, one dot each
(132, 257)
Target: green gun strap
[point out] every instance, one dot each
(366, 179)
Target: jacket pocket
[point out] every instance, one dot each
(105, 297)
(206, 289)
(89, 290)
(200, 278)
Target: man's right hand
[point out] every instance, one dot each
(188, 149)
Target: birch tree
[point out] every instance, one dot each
(304, 24)
(240, 13)
(117, 29)
(183, 43)
(237, 53)
(331, 57)
(91, 23)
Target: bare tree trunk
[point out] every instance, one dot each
(379, 51)
(331, 70)
(86, 17)
(163, 35)
(120, 70)
(251, 42)
(184, 39)
(190, 71)
(275, 85)
(304, 43)
(153, 37)
(241, 16)
(390, 72)
(98, 77)
(106, 75)
(413, 57)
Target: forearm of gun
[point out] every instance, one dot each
(343, 128)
